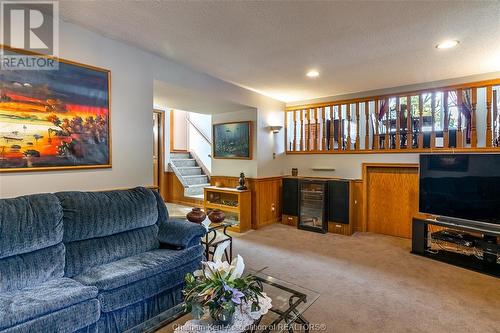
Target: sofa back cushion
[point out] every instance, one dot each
(29, 223)
(97, 214)
(101, 227)
(31, 233)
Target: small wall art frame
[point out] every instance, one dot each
(232, 140)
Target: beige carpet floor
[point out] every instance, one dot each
(371, 283)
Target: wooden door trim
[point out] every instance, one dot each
(365, 171)
(161, 150)
(171, 131)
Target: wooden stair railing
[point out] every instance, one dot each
(462, 117)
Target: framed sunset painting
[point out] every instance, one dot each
(233, 140)
(55, 119)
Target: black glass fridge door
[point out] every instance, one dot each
(312, 206)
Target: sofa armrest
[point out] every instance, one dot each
(180, 233)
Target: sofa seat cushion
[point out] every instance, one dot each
(23, 305)
(135, 268)
(79, 318)
(141, 290)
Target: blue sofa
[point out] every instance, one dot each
(91, 261)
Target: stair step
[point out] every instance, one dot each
(183, 162)
(193, 190)
(190, 171)
(196, 179)
(175, 156)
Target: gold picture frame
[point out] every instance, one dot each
(36, 131)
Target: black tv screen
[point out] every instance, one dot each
(465, 186)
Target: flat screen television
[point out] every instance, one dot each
(464, 186)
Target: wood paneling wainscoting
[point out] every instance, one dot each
(390, 198)
(385, 200)
(266, 197)
(173, 192)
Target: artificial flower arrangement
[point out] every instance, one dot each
(221, 288)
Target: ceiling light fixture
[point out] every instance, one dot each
(312, 73)
(447, 44)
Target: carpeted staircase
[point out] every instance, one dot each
(189, 173)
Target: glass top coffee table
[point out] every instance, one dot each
(289, 302)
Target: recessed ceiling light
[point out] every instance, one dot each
(447, 44)
(312, 73)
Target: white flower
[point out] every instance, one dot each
(231, 272)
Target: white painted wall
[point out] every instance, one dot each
(133, 73)
(180, 130)
(196, 140)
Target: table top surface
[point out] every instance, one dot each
(286, 297)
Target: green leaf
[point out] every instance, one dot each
(197, 310)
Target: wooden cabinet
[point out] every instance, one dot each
(236, 205)
(290, 220)
(339, 208)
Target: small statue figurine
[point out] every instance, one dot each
(241, 182)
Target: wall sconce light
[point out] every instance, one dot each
(274, 129)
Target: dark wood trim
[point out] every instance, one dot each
(171, 131)
(161, 151)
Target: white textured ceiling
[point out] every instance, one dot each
(268, 46)
(174, 97)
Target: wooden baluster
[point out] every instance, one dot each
(323, 118)
(308, 129)
(318, 130)
(409, 124)
(356, 144)
(348, 119)
(496, 125)
(387, 141)
(473, 118)
(301, 130)
(420, 121)
(376, 143)
(398, 123)
(489, 135)
(294, 140)
(433, 117)
(367, 125)
(460, 134)
(446, 122)
(340, 135)
(288, 145)
(332, 120)
(316, 136)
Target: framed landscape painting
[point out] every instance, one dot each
(233, 140)
(55, 119)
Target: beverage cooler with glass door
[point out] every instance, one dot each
(312, 205)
